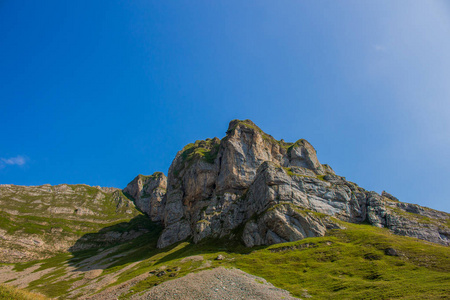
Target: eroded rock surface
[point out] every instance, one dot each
(148, 193)
(268, 191)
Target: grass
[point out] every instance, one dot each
(291, 173)
(416, 217)
(321, 177)
(352, 264)
(8, 292)
(206, 150)
(344, 264)
(51, 285)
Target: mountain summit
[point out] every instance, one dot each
(264, 191)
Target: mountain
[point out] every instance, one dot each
(244, 217)
(267, 192)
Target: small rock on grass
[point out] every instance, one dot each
(162, 273)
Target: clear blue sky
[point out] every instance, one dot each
(97, 92)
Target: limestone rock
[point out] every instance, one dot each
(148, 193)
(284, 223)
(275, 192)
(389, 196)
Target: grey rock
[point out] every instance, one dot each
(148, 193)
(389, 196)
(275, 191)
(160, 274)
(391, 252)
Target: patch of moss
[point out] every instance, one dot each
(206, 150)
(203, 221)
(289, 172)
(321, 177)
(416, 217)
(300, 210)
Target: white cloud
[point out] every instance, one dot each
(13, 161)
(379, 48)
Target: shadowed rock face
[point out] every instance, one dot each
(270, 191)
(148, 193)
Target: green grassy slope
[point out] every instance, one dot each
(353, 263)
(346, 264)
(9, 293)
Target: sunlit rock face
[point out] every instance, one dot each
(263, 191)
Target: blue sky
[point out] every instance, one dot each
(97, 92)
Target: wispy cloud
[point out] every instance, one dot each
(19, 160)
(380, 48)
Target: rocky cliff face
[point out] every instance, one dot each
(267, 191)
(148, 193)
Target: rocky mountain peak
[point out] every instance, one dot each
(271, 191)
(234, 123)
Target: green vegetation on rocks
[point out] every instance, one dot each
(207, 150)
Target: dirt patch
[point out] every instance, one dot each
(192, 258)
(23, 278)
(216, 284)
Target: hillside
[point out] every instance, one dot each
(41, 221)
(245, 216)
(360, 262)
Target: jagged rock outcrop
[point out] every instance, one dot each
(271, 191)
(148, 193)
(409, 219)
